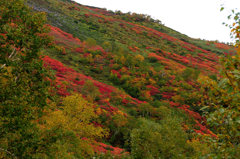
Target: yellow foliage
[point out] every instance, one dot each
(152, 81)
(177, 98)
(199, 147)
(146, 94)
(90, 58)
(3, 80)
(138, 82)
(76, 115)
(120, 120)
(122, 59)
(124, 70)
(139, 58)
(121, 113)
(202, 78)
(176, 89)
(98, 111)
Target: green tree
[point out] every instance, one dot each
(222, 101)
(24, 88)
(159, 140)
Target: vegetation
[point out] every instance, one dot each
(222, 101)
(83, 82)
(24, 88)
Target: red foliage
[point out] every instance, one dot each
(63, 37)
(153, 90)
(167, 62)
(103, 148)
(117, 73)
(133, 49)
(103, 88)
(222, 46)
(109, 108)
(61, 89)
(73, 80)
(70, 75)
(56, 65)
(74, 8)
(168, 95)
(64, 51)
(79, 50)
(199, 128)
(125, 101)
(86, 15)
(205, 62)
(137, 30)
(79, 82)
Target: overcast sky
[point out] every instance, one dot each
(195, 18)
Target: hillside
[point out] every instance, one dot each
(139, 82)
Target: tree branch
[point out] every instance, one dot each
(12, 53)
(9, 57)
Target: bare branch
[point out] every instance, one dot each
(12, 53)
(3, 66)
(10, 56)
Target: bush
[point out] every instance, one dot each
(90, 90)
(159, 140)
(153, 59)
(190, 74)
(91, 42)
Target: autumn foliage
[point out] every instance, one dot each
(94, 83)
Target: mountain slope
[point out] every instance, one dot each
(132, 67)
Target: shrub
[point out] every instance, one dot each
(91, 42)
(159, 140)
(90, 90)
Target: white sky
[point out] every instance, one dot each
(195, 18)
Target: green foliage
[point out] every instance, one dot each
(24, 88)
(59, 143)
(107, 46)
(141, 61)
(222, 103)
(90, 90)
(159, 140)
(223, 108)
(153, 59)
(190, 74)
(145, 110)
(91, 42)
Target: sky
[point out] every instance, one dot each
(195, 18)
